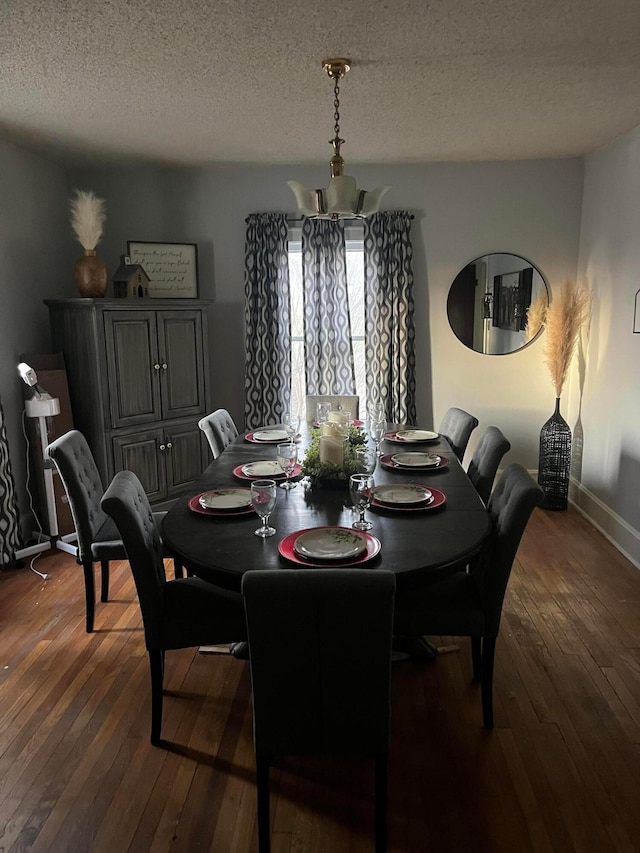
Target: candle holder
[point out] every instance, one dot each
(330, 458)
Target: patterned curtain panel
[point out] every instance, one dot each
(267, 319)
(327, 326)
(9, 527)
(389, 314)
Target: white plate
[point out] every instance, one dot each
(265, 468)
(330, 543)
(226, 499)
(402, 494)
(416, 435)
(416, 459)
(271, 435)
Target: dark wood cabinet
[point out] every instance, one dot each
(138, 382)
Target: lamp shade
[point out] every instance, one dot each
(340, 199)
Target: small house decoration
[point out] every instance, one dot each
(130, 281)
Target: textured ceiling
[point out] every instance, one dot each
(240, 81)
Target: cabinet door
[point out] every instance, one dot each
(144, 453)
(181, 354)
(133, 367)
(185, 456)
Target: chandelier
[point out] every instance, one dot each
(341, 199)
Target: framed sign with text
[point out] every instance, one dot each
(172, 268)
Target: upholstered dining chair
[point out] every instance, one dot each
(347, 403)
(469, 604)
(457, 426)
(485, 459)
(176, 614)
(330, 692)
(220, 430)
(98, 538)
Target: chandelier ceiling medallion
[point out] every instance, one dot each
(341, 199)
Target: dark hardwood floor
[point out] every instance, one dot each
(560, 772)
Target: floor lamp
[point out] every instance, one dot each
(42, 406)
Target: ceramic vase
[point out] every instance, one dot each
(91, 275)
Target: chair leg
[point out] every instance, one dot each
(156, 664)
(104, 587)
(381, 803)
(178, 570)
(476, 657)
(488, 654)
(262, 785)
(89, 595)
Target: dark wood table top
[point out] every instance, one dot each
(418, 546)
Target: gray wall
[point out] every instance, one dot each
(34, 264)
(608, 469)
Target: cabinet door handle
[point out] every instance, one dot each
(164, 365)
(162, 447)
(169, 445)
(156, 366)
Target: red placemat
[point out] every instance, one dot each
(287, 550)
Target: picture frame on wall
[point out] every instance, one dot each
(172, 268)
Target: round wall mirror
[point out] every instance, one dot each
(496, 303)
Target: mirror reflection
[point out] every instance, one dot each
(496, 303)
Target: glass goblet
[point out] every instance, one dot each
(361, 491)
(263, 500)
(291, 423)
(366, 460)
(322, 410)
(287, 455)
(377, 430)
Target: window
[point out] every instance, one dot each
(354, 245)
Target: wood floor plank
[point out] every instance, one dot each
(559, 773)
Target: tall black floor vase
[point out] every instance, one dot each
(555, 461)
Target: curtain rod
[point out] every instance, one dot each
(292, 218)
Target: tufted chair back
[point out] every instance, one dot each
(321, 678)
(457, 426)
(512, 501)
(82, 483)
(220, 430)
(485, 460)
(127, 504)
(177, 614)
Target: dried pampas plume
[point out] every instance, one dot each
(566, 315)
(535, 316)
(87, 218)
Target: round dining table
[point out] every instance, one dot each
(419, 545)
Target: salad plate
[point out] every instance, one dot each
(223, 499)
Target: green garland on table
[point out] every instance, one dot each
(329, 473)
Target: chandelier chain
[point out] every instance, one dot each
(336, 105)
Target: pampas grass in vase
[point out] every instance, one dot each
(87, 221)
(564, 319)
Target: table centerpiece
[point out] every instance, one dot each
(330, 458)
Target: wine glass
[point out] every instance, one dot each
(263, 500)
(291, 423)
(366, 460)
(361, 491)
(287, 457)
(377, 430)
(322, 409)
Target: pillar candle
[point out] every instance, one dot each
(331, 450)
